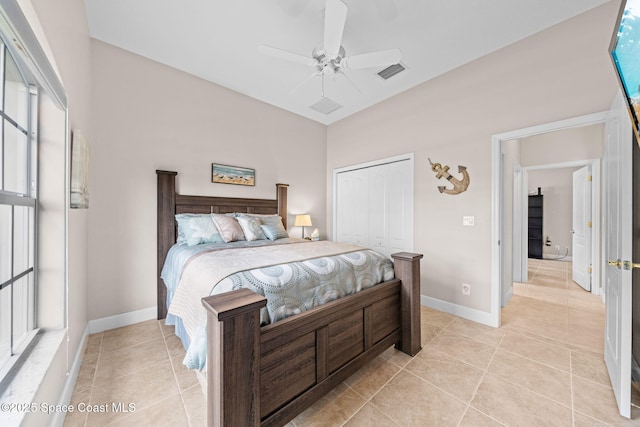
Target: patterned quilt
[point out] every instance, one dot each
(293, 277)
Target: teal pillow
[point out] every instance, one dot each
(274, 232)
(196, 229)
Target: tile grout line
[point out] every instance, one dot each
(402, 368)
(572, 348)
(573, 403)
(175, 376)
(475, 392)
(374, 394)
(95, 373)
(111, 421)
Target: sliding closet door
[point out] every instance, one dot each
(400, 207)
(354, 199)
(377, 211)
(374, 206)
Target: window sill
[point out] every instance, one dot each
(25, 378)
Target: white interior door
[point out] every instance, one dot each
(581, 228)
(400, 208)
(618, 230)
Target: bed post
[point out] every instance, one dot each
(233, 358)
(281, 197)
(407, 268)
(166, 229)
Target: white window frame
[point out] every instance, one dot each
(29, 199)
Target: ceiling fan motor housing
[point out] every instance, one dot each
(325, 62)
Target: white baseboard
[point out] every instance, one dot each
(120, 320)
(457, 310)
(72, 378)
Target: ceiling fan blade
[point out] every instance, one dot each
(340, 73)
(372, 59)
(286, 55)
(335, 15)
(316, 74)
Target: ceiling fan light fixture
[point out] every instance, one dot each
(326, 106)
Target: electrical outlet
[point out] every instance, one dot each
(557, 248)
(466, 289)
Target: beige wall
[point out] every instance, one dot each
(148, 116)
(582, 143)
(559, 73)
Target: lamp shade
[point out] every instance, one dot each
(303, 221)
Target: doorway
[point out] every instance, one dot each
(556, 182)
(617, 162)
(499, 236)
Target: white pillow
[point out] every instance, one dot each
(228, 227)
(251, 227)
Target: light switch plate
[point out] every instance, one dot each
(468, 221)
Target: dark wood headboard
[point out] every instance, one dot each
(170, 203)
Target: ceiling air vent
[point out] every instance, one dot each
(391, 71)
(326, 106)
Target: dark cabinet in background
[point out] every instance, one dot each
(535, 225)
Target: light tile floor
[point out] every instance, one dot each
(543, 367)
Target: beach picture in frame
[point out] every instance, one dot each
(225, 174)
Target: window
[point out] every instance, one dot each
(18, 178)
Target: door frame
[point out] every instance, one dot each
(496, 199)
(520, 246)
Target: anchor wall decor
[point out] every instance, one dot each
(459, 186)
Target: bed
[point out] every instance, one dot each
(266, 374)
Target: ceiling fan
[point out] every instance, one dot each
(331, 58)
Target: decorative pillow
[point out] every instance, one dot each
(274, 232)
(251, 227)
(181, 219)
(228, 227)
(267, 219)
(195, 229)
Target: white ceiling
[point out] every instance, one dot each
(218, 40)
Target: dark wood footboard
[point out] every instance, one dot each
(266, 376)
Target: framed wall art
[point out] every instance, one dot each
(225, 174)
(79, 171)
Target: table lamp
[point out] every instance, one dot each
(303, 221)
